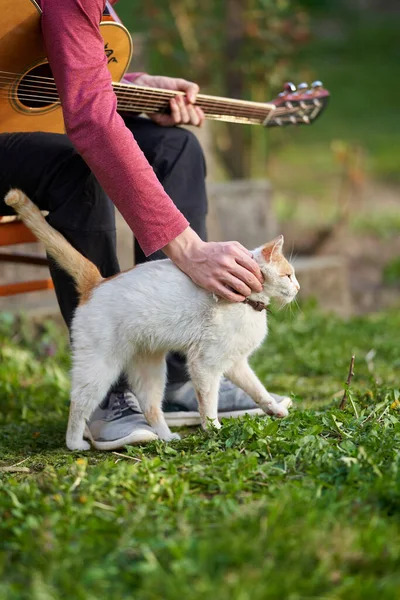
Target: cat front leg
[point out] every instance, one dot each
(243, 376)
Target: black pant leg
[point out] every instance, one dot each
(50, 171)
(178, 161)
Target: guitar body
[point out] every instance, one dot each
(23, 58)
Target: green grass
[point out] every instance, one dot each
(304, 508)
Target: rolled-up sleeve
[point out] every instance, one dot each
(75, 50)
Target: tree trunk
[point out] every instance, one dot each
(234, 156)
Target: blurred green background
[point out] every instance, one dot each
(351, 46)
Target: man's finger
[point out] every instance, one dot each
(194, 117)
(184, 115)
(175, 112)
(250, 280)
(226, 293)
(201, 115)
(248, 263)
(237, 284)
(191, 89)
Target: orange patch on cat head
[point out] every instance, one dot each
(272, 253)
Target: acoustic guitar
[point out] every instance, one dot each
(29, 99)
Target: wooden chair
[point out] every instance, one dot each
(13, 231)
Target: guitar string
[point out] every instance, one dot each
(278, 121)
(126, 92)
(149, 105)
(283, 116)
(216, 117)
(153, 104)
(138, 107)
(155, 107)
(144, 99)
(283, 120)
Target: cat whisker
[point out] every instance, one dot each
(297, 305)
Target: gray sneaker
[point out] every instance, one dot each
(180, 403)
(118, 422)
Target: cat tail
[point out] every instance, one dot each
(85, 274)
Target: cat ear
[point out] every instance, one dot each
(273, 249)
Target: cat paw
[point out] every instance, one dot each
(170, 437)
(282, 413)
(82, 445)
(286, 402)
(211, 424)
(277, 410)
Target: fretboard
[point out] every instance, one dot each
(139, 99)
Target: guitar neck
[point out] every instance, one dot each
(290, 108)
(136, 99)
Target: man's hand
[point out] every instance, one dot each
(183, 111)
(224, 268)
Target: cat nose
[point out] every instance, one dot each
(297, 286)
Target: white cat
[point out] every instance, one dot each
(130, 321)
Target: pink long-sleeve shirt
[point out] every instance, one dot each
(75, 51)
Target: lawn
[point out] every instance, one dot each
(308, 507)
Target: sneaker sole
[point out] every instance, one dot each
(133, 439)
(190, 419)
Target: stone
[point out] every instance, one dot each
(241, 210)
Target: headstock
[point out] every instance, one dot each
(299, 106)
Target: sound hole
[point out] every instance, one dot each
(37, 88)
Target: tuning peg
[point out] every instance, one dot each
(317, 84)
(302, 87)
(289, 87)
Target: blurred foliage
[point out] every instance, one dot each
(383, 223)
(391, 272)
(188, 41)
(236, 48)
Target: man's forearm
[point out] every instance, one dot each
(71, 31)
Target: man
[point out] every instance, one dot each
(151, 170)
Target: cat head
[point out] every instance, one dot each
(279, 278)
